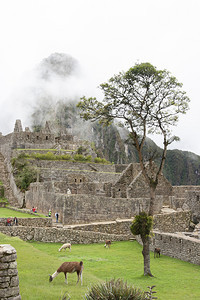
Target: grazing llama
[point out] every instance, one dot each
(107, 244)
(65, 246)
(69, 267)
(157, 252)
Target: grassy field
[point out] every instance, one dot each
(6, 212)
(174, 279)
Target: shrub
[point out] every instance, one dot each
(23, 172)
(99, 160)
(24, 177)
(82, 158)
(114, 290)
(142, 225)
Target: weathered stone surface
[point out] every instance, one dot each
(4, 285)
(8, 258)
(14, 281)
(4, 279)
(30, 222)
(9, 280)
(4, 266)
(13, 265)
(8, 292)
(176, 245)
(15, 298)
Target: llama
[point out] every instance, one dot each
(69, 267)
(65, 246)
(157, 252)
(107, 244)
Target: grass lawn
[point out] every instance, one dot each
(174, 279)
(6, 212)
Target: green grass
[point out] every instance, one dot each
(6, 212)
(174, 279)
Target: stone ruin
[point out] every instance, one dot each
(9, 280)
(98, 193)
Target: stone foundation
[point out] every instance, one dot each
(176, 245)
(30, 222)
(9, 280)
(60, 235)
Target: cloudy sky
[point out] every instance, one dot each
(105, 37)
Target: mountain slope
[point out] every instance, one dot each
(181, 167)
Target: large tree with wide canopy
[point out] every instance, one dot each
(145, 101)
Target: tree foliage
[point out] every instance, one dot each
(142, 225)
(24, 172)
(145, 101)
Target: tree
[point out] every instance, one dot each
(145, 101)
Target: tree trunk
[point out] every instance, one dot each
(146, 256)
(146, 240)
(152, 200)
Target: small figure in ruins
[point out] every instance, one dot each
(68, 192)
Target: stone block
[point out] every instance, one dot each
(14, 281)
(8, 258)
(14, 291)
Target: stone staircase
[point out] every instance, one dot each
(4, 178)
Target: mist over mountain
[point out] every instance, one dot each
(112, 143)
(51, 94)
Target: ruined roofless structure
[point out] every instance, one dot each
(98, 192)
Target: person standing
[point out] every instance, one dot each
(57, 216)
(49, 213)
(15, 220)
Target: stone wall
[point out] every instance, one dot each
(30, 222)
(60, 235)
(78, 209)
(118, 227)
(177, 246)
(173, 222)
(132, 184)
(187, 198)
(9, 280)
(140, 188)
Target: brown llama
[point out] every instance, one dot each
(107, 244)
(69, 267)
(157, 252)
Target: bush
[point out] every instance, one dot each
(99, 160)
(142, 225)
(82, 158)
(23, 172)
(24, 177)
(114, 290)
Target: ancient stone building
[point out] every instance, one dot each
(97, 192)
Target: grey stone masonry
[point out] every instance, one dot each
(60, 235)
(4, 178)
(176, 245)
(9, 280)
(30, 222)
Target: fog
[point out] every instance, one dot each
(100, 39)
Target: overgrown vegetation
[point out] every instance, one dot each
(113, 290)
(142, 225)
(51, 156)
(23, 172)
